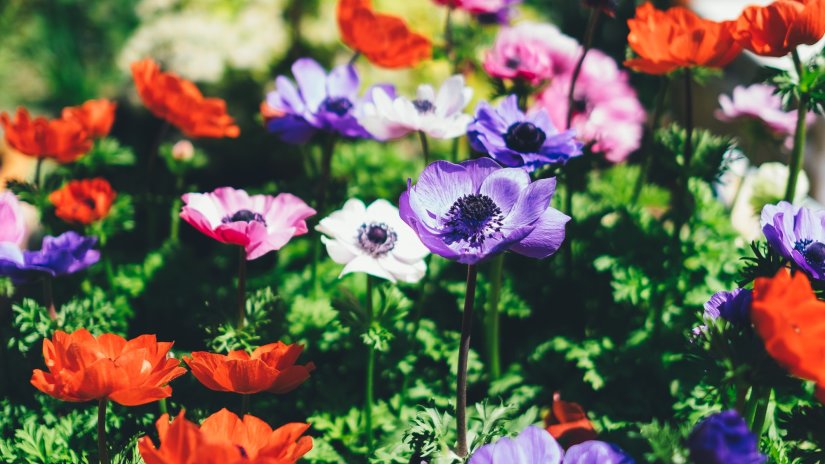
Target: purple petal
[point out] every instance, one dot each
(292, 129)
(531, 204)
(479, 169)
(343, 82)
(546, 238)
(286, 96)
(504, 186)
(438, 187)
(311, 79)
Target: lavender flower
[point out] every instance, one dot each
(724, 438)
(596, 452)
(516, 139)
(733, 306)
(65, 254)
(470, 211)
(798, 234)
(321, 102)
(532, 446)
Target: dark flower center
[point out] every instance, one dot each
(524, 137)
(243, 451)
(473, 218)
(423, 106)
(512, 62)
(376, 238)
(337, 105)
(814, 252)
(244, 215)
(488, 18)
(579, 106)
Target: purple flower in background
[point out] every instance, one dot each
(733, 306)
(596, 452)
(724, 438)
(516, 139)
(798, 234)
(532, 446)
(321, 102)
(491, 11)
(470, 211)
(65, 254)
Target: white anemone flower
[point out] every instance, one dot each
(374, 240)
(439, 115)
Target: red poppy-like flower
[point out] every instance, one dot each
(96, 116)
(83, 367)
(223, 438)
(63, 140)
(568, 423)
(789, 318)
(677, 38)
(384, 39)
(269, 368)
(83, 201)
(778, 28)
(179, 102)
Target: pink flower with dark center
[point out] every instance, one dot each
(759, 102)
(259, 223)
(531, 52)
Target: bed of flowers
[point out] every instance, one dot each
(529, 259)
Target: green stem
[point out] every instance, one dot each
(682, 192)
(174, 225)
(327, 150)
(757, 409)
(798, 154)
(493, 318)
(370, 374)
(102, 450)
(417, 314)
(425, 147)
(244, 405)
(463, 354)
(162, 406)
(48, 297)
(647, 159)
(38, 167)
(454, 150)
(592, 21)
(241, 287)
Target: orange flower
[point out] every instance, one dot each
(777, 29)
(789, 318)
(223, 438)
(179, 102)
(62, 140)
(84, 368)
(96, 116)
(270, 368)
(83, 201)
(677, 38)
(384, 39)
(568, 423)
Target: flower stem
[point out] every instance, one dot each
(463, 353)
(327, 150)
(588, 42)
(757, 409)
(244, 404)
(682, 192)
(647, 159)
(425, 147)
(174, 226)
(38, 167)
(241, 287)
(354, 58)
(798, 154)
(493, 318)
(102, 450)
(48, 297)
(162, 406)
(369, 384)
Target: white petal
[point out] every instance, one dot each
(405, 272)
(338, 251)
(450, 96)
(367, 265)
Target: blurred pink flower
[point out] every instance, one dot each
(758, 102)
(607, 111)
(259, 223)
(12, 221)
(485, 11)
(531, 51)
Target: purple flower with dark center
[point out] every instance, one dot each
(470, 211)
(532, 446)
(798, 234)
(65, 254)
(321, 102)
(516, 139)
(596, 452)
(733, 306)
(724, 438)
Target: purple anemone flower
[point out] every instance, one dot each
(798, 234)
(724, 438)
(470, 211)
(733, 306)
(321, 102)
(65, 254)
(532, 446)
(516, 139)
(596, 452)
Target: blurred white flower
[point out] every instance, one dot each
(373, 240)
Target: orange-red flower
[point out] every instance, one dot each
(677, 38)
(63, 140)
(96, 116)
(179, 102)
(791, 321)
(83, 201)
(778, 28)
(223, 438)
(384, 39)
(568, 423)
(83, 367)
(269, 368)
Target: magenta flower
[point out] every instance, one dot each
(607, 113)
(761, 103)
(470, 211)
(259, 223)
(531, 52)
(12, 221)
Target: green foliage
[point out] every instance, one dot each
(229, 336)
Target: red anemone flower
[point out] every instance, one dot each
(568, 423)
(63, 140)
(778, 28)
(96, 116)
(83, 201)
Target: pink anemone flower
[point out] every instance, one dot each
(259, 223)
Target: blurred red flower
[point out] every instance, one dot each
(63, 140)
(568, 423)
(778, 28)
(179, 102)
(83, 201)
(96, 116)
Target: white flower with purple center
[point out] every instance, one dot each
(373, 240)
(798, 234)
(437, 114)
(516, 139)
